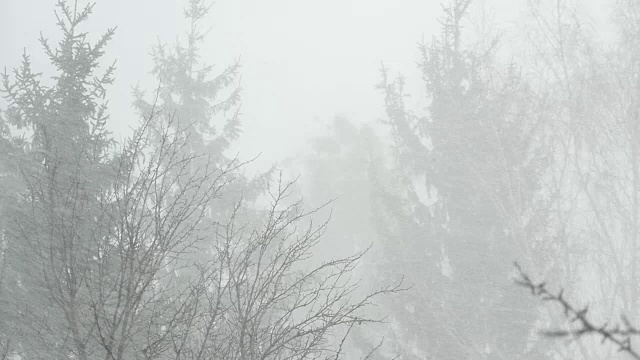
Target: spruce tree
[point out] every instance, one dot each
(464, 204)
(56, 151)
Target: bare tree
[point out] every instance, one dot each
(140, 250)
(148, 273)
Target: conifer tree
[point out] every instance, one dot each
(56, 143)
(192, 92)
(128, 251)
(465, 201)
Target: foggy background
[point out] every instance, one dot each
(303, 62)
(528, 152)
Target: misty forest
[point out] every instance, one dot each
(483, 203)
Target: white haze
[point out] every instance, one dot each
(306, 63)
(303, 62)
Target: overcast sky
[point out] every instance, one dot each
(303, 61)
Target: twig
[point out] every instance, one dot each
(620, 335)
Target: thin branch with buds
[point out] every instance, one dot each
(619, 334)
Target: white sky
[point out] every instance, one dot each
(303, 61)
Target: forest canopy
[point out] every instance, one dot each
(384, 238)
